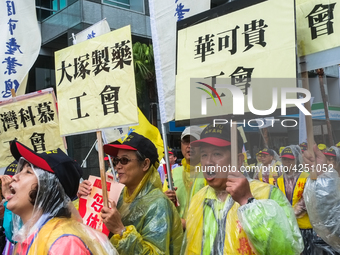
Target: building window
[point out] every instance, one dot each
(135, 5)
(46, 8)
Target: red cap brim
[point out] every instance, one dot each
(264, 153)
(288, 156)
(210, 140)
(112, 149)
(330, 154)
(33, 158)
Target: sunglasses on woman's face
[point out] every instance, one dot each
(122, 160)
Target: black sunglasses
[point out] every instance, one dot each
(122, 160)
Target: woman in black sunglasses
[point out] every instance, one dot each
(144, 221)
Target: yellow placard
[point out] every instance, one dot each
(248, 44)
(32, 121)
(318, 25)
(96, 83)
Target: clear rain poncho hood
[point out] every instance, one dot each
(322, 198)
(54, 213)
(337, 153)
(296, 150)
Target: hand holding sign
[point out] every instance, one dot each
(112, 219)
(84, 189)
(313, 160)
(238, 187)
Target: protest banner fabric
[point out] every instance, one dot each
(97, 29)
(17, 52)
(31, 119)
(163, 14)
(96, 84)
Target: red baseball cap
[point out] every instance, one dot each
(287, 153)
(330, 152)
(217, 135)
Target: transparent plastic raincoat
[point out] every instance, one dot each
(265, 226)
(53, 227)
(322, 198)
(152, 223)
(187, 185)
(271, 173)
(292, 184)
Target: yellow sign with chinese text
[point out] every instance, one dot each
(318, 25)
(244, 46)
(31, 119)
(96, 84)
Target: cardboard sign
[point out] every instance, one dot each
(90, 206)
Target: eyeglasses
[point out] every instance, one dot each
(122, 160)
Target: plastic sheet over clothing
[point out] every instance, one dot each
(322, 198)
(48, 233)
(152, 223)
(265, 226)
(188, 183)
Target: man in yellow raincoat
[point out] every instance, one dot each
(270, 169)
(292, 184)
(184, 177)
(234, 215)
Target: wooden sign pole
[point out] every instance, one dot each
(320, 73)
(233, 140)
(309, 123)
(13, 93)
(102, 168)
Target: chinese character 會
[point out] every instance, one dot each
(241, 77)
(319, 20)
(109, 97)
(38, 142)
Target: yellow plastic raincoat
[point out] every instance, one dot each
(265, 226)
(152, 223)
(187, 185)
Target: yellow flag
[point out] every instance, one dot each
(146, 129)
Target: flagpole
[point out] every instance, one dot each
(166, 155)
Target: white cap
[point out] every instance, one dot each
(194, 131)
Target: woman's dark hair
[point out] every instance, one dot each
(140, 156)
(51, 195)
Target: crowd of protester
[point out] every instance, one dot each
(214, 208)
